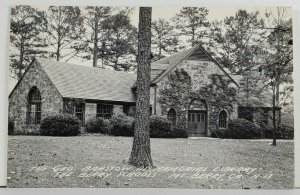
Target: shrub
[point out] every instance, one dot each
(10, 126)
(98, 125)
(122, 125)
(60, 125)
(159, 127)
(283, 132)
(178, 133)
(286, 132)
(242, 129)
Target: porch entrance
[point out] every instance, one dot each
(197, 118)
(197, 121)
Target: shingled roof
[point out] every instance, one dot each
(76, 81)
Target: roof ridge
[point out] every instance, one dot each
(192, 49)
(89, 67)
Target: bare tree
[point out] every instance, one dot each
(141, 151)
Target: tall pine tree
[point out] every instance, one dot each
(141, 151)
(65, 28)
(26, 25)
(192, 22)
(94, 43)
(164, 40)
(122, 41)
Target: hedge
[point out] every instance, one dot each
(243, 129)
(283, 132)
(98, 125)
(160, 127)
(239, 129)
(122, 125)
(60, 125)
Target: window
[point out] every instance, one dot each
(68, 107)
(172, 116)
(34, 107)
(126, 109)
(79, 112)
(104, 110)
(223, 119)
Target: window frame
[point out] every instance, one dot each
(34, 107)
(171, 116)
(79, 112)
(106, 113)
(223, 117)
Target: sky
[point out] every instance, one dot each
(215, 13)
(165, 12)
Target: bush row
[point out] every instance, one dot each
(122, 125)
(119, 125)
(244, 129)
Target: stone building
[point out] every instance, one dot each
(49, 87)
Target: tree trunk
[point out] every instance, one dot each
(141, 151)
(20, 74)
(95, 52)
(58, 36)
(193, 34)
(58, 44)
(274, 120)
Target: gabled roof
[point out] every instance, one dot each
(76, 81)
(157, 66)
(173, 60)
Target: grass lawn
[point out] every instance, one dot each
(180, 163)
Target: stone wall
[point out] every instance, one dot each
(52, 102)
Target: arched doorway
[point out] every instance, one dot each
(197, 117)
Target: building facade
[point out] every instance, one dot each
(203, 104)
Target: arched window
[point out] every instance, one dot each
(172, 116)
(34, 107)
(223, 119)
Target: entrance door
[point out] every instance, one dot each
(196, 121)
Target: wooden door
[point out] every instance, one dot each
(197, 122)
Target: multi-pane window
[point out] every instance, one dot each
(34, 107)
(172, 116)
(223, 119)
(79, 112)
(104, 110)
